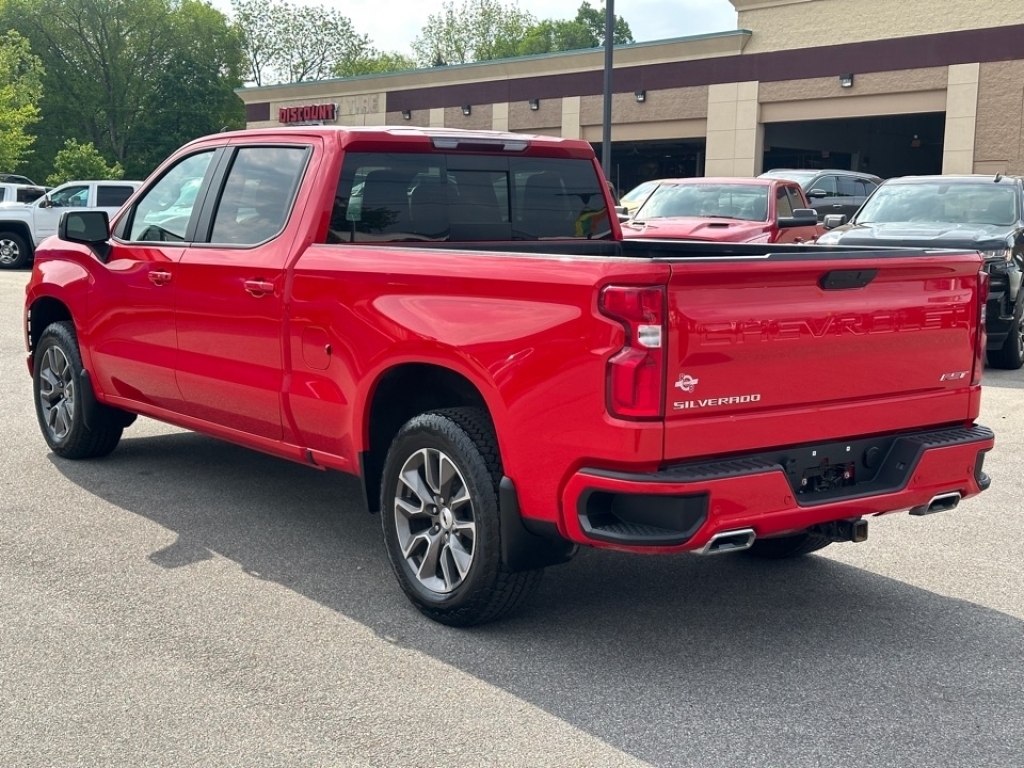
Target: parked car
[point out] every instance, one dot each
(23, 227)
(979, 212)
(731, 210)
(830, 191)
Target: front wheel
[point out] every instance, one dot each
(783, 547)
(57, 368)
(14, 252)
(439, 513)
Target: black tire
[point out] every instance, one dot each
(57, 366)
(14, 251)
(1011, 355)
(787, 546)
(463, 441)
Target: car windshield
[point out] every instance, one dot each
(941, 201)
(638, 192)
(746, 202)
(798, 176)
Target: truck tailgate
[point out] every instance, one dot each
(788, 349)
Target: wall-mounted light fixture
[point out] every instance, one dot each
(846, 81)
(467, 109)
(534, 104)
(641, 96)
(406, 114)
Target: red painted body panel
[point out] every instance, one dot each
(292, 370)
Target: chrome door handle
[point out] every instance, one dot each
(159, 278)
(258, 287)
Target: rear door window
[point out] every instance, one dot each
(848, 187)
(258, 194)
(112, 195)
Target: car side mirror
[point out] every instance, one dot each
(834, 220)
(802, 217)
(622, 212)
(816, 193)
(46, 202)
(91, 228)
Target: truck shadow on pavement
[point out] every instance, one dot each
(677, 661)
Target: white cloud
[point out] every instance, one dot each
(393, 24)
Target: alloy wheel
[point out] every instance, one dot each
(435, 520)
(57, 393)
(9, 252)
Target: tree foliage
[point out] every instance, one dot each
(289, 43)
(20, 91)
(373, 62)
(482, 30)
(81, 161)
(110, 65)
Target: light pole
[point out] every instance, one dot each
(609, 46)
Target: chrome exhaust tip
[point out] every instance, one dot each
(941, 503)
(729, 541)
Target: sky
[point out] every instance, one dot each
(392, 25)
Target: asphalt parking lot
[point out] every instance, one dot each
(184, 602)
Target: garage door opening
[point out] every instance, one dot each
(634, 162)
(892, 145)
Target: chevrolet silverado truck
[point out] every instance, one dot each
(455, 318)
(23, 227)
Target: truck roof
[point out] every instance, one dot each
(429, 138)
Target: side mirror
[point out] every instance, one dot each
(46, 202)
(622, 212)
(834, 220)
(816, 193)
(91, 228)
(802, 217)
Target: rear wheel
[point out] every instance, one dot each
(14, 252)
(787, 546)
(1011, 355)
(439, 513)
(59, 406)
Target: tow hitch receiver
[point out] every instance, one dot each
(844, 530)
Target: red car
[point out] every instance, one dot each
(726, 210)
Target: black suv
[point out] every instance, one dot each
(981, 213)
(830, 191)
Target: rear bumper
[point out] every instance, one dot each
(680, 508)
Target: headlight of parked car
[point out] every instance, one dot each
(829, 238)
(998, 258)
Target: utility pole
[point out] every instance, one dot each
(609, 46)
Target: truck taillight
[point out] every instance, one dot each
(981, 340)
(636, 373)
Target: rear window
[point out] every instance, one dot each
(112, 195)
(466, 198)
(29, 194)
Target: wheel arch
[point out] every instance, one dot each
(42, 312)
(20, 228)
(399, 393)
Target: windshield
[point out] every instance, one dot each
(797, 176)
(939, 201)
(719, 201)
(636, 193)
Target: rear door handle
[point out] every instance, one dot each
(159, 277)
(258, 287)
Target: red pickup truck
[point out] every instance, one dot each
(455, 318)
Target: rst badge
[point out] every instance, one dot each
(687, 383)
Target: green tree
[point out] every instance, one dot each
(283, 42)
(373, 62)
(477, 30)
(584, 31)
(79, 162)
(20, 89)
(109, 66)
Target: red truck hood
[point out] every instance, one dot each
(693, 228)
